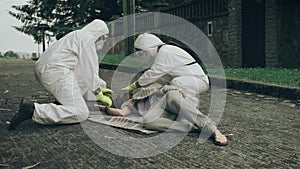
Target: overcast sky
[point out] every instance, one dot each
(12, 39)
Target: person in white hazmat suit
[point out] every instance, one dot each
(68, 69)
(187, 75)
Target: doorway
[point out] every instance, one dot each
(253, 33)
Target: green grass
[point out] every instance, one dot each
(125, 61)
(277, 76)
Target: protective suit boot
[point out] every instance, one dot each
(25, 112)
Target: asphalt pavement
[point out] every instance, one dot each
(265, 132)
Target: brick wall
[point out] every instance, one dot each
(234, 43)
(271, 39)
(227, 31)
(219, 37)
(282, 33)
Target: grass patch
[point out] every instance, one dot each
(131, 61)
(111, 59)
(277, 76)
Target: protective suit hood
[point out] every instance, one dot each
(148, 42)
(94, 30)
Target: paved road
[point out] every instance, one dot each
(265, 133)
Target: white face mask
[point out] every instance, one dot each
(100, 42)
(143, 54)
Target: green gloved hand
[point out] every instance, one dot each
(131, 87)
(104, 99)
(107, 92)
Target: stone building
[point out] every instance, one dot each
(248, 33)
(245, 33)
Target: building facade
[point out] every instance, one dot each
(245, 33)
(248, 33)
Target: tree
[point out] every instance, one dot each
(11, 54)
(62, 16)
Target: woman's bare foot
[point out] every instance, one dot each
(219, 138)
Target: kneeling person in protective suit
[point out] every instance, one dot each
(187, 75)
(68, 69)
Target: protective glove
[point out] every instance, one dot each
(107, 92)
(131, 87)
(104, 99)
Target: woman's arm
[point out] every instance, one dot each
(125, 111)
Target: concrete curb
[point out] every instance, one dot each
(292, 93)
(285, 92)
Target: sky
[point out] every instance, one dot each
(11, 39)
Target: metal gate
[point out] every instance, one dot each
(253, 33)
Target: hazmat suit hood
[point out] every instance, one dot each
(94, 30)
(148, 42)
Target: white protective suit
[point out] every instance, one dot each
(68, 69)
(172, 60)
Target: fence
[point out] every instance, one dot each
(200, 9)
(194, 11)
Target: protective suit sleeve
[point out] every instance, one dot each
(162, 65)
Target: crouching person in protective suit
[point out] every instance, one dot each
(68, 69)
(187, 75)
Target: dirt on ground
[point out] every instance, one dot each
(266, 132)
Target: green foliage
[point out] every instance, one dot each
(62, 16)
(229, 6)
(11, 54)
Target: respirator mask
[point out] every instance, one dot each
(100, 42)
(142, 54)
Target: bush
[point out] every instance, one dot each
(11, 54)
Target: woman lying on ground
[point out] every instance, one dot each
(164, 108)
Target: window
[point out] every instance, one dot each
(209, 28)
